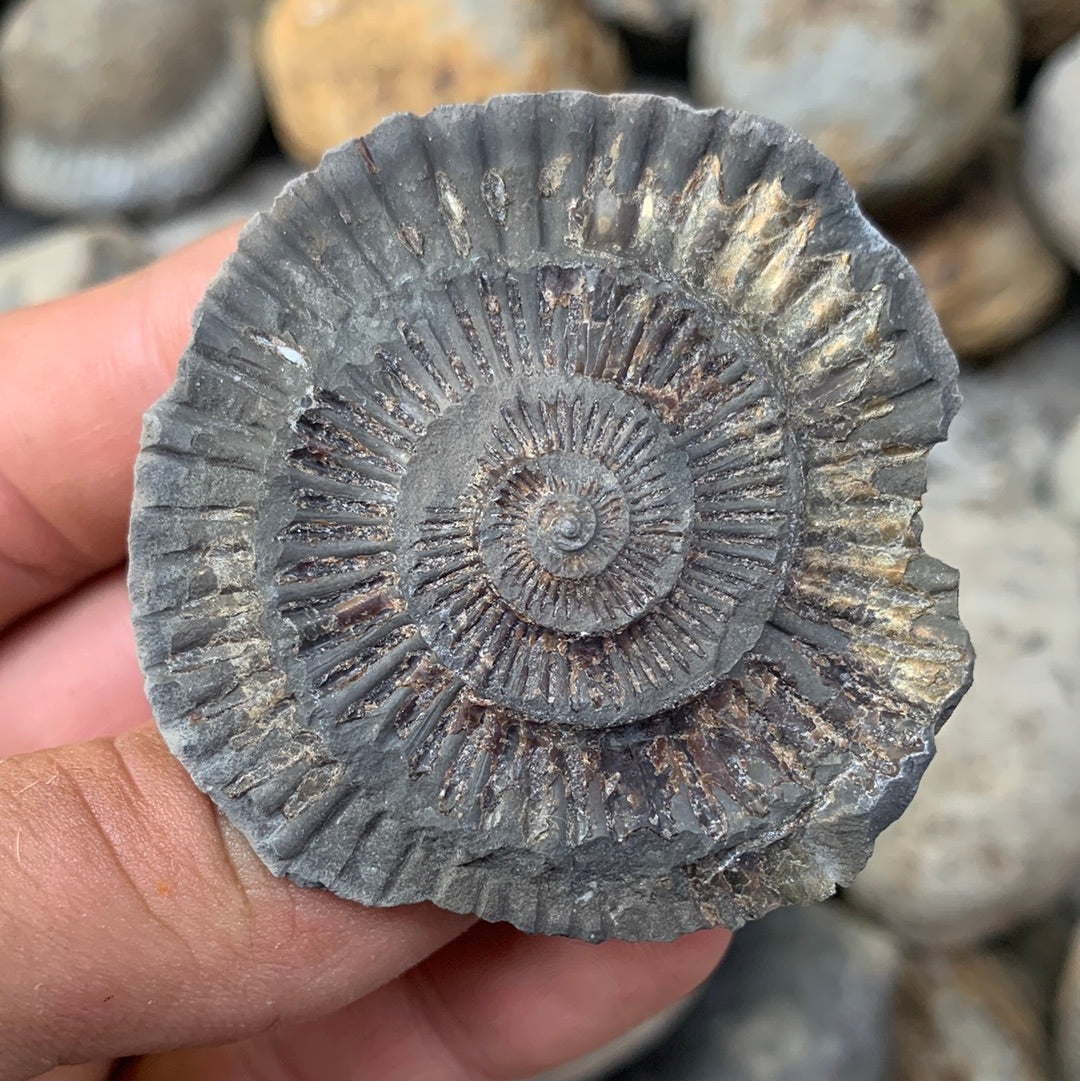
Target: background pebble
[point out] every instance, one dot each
(900, 93)
(992, 278)
(334, 68)
(123, 104)
(803, 995)
(991, 836)
(966, 1017)
(1052, 148)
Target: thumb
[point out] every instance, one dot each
(133, 918)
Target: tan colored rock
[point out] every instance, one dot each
(991, 277)
(966, 1017)
(334, 68)
(900, 93)
(1047, 24)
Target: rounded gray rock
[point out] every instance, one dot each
(124, 104)
(502, 542)
(990, 838)
(1052, 149)
(900, 93)
(802, 995)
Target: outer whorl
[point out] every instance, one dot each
(532, 526)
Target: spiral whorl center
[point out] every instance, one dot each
(566, 523)
(591, 539)
(586, 535)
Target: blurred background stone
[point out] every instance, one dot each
(334, 68)
(991, 836)
(966, 1017)
(57, 262)
(900, 93)
(991, 277)
(657, 18)
(1068, 1014)
(124, 104)
(803, 995)
(1052, 148)
(1047, 24)
(1037, 948)
(1067, 475)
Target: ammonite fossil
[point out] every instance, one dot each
(532, 526)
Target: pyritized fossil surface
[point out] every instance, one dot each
(532, 526)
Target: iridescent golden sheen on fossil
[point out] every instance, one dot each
(533, 524)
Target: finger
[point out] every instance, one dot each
(75, 378)
(90, 1071)
(133, 919)
(495, 1004)
(69, 673)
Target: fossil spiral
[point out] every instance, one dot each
(532, 526)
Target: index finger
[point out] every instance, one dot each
(76, 376)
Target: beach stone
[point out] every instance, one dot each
(990, 838)
(1067, 475)
(802, 995)
(991, 277)
(334, 68)
(1052, 148)
(657, 18)
(1047, 24)
(118, 105)
(56, 262)
(966, 1017)
(1067, 1025)
(900, 93)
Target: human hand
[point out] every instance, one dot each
(133, 920)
